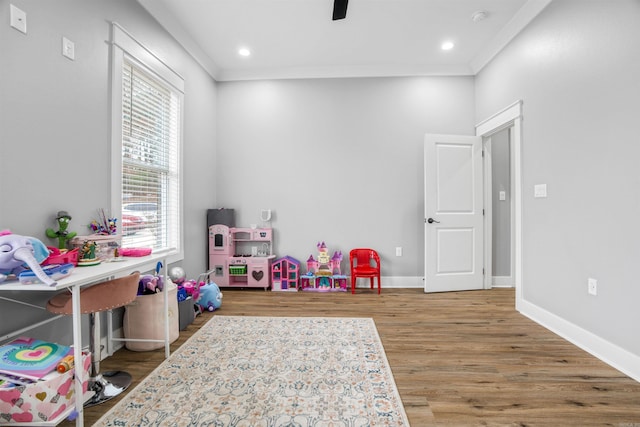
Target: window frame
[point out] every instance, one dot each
(124, 45)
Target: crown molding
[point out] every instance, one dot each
(520, 20)
(173, 27)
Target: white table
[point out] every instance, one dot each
(85, 276)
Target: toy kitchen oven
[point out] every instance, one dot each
(241, 257)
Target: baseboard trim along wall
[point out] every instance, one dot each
(503, 282)
(391, 282)
(611, 354)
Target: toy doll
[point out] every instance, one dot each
(62, 234)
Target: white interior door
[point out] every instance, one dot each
(454, 233)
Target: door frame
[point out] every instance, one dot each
(508, 117)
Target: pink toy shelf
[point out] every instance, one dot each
(323, 274)
(285, 274)
(240, 257)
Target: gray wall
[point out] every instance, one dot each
(501, 209)
(54, 123)
(577, 68)
(339, 160)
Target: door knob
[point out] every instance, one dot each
(431, 221)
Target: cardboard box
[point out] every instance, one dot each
(42, 401)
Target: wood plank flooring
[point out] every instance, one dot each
(459, 359)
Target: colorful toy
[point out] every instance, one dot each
(62, 234)
(88, 254)
(324, 275)
(18, 251)
(177, 275)
(53, 271)
(285, 274)
(192, 288)
(210, 297)
(104, 225)
(150, 284)
(56, 256)
(135, 252)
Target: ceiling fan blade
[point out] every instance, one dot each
(339, 9)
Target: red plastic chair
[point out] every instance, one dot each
(364, 263)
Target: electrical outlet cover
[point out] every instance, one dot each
(18, 19)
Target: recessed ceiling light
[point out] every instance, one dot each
(447, 46)
(244, 52)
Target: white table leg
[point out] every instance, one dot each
(166, 309)
(77, 354)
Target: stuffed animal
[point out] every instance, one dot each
(17, 252)
(150, 284)
(62, 234)
(210, 297)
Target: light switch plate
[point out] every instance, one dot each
(503, 195)
(540, 190)
(18, 19)
(68, 48)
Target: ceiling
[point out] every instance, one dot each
(298, 38)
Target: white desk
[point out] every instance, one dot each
(84, 276)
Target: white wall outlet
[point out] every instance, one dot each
(399, 251)
(18, 18)
(503, 195)
(68, 48)
(540, 190)
(592, 286)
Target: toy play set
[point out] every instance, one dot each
(240, 257)
(323, 274)
(285, 274)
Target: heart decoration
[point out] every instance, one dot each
(257, 275)
(41, 396)
(35, 354)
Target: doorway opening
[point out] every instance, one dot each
(509, 120)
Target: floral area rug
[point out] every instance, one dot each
(269, 372)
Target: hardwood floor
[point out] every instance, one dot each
(460, 358)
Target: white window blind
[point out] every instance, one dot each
(150, 159)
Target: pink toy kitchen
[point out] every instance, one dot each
(241, 257)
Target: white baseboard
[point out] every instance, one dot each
(611, 354)
(503, 282)
(391, 282)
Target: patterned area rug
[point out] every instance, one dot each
(269, 372)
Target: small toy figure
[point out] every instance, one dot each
(62, 234)
(88, 254)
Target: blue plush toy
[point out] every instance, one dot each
(210, 297)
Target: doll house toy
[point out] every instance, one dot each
(285, 274)
(323, 274)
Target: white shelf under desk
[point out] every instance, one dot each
(86, 276)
